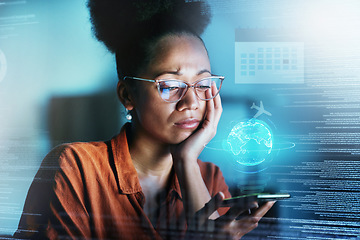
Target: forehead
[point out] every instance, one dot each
(179, 53)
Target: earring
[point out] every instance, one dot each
(128, 115)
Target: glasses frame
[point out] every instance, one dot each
(189, 85)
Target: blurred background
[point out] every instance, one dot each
(300, 60)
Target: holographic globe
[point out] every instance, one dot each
(250, 142)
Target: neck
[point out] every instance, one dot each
(150, 158)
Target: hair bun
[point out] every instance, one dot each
(116, 22)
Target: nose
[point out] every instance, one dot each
(189, 101)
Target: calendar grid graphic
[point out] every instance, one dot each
(263, 60)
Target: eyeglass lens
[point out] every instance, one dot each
(173, 90)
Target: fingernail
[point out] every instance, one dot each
(222, 195)
(219, 198)
(254, 205)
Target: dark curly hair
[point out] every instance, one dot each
(130, 28)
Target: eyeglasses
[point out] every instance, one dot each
(174, 90)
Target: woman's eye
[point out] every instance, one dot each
(203, 85)
(169, 86)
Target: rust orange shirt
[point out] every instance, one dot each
(92, 191)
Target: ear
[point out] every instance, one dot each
(124, 95)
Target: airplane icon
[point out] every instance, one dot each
(260, 109)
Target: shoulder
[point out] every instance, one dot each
(78, 150)
(75, 157)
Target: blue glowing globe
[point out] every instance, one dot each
(250, 142)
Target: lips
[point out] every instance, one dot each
(189, 123)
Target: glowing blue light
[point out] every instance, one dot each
(251, 142)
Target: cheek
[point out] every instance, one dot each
(143, 95)
(151, 109)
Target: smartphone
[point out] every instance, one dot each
(245, 200)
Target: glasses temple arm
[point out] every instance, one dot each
(140, 79)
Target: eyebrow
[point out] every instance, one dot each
(204, 71)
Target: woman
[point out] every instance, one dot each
(146, 182)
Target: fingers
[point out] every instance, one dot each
(235, 211)
(213, 106)
(203, 214)
(248, 223)
(217, 104)
(240, 227)
(264, 209)
(210, 104)
(226, 226)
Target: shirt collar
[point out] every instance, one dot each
(126, 172)
(128, 181)
(174, 184)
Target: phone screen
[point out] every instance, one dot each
(245, 200)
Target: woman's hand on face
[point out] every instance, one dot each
(193, 146)
(226, 226)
